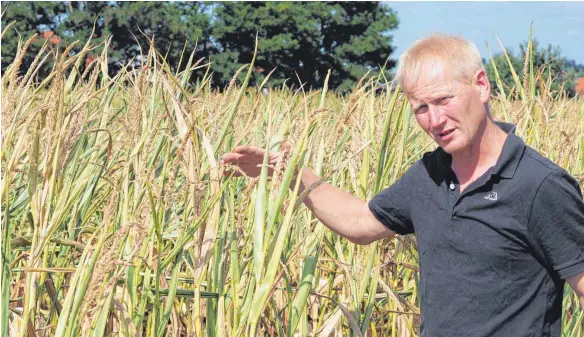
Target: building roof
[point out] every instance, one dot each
(50, 36)
(580, 86)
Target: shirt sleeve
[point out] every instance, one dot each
(557, 223)
(392, 205)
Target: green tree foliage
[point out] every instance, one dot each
(298, 39)
(131, 25)
(553, 67)
(304, 38)
(28, 18)
(171, 24)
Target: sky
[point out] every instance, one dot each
(557, 23)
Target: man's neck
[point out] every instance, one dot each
(482, 154)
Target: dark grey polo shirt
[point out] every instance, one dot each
(492, 260)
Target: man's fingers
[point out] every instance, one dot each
(240, 148)
(248, 150)
(230, 158)
(240, 160)
(232, 173)
(247, 159)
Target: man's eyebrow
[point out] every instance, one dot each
(416, 106)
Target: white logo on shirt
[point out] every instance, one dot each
(492, 196)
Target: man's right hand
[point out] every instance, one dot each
(248, 160)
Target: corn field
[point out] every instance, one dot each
(117, 219)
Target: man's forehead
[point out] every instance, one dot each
(432, 76)
(430, 88)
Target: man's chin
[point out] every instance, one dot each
(452, 148)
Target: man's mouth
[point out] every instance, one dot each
(446, 133)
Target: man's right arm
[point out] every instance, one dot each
(341, 212)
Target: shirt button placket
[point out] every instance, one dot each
(452, 196)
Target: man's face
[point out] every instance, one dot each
(453, 113)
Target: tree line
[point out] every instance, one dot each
(298, 41)
(561, 73)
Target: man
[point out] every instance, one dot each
(499, 228)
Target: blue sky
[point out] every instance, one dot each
(558, 23)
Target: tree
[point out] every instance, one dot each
(170, 23)
(28, 18)
(503, 70)
(304, 38)
(548, 60)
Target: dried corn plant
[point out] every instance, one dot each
(117, 220)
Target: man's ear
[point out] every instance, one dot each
(481, 82)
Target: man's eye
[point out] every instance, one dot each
(421, 109)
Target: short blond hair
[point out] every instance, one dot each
(454, 52)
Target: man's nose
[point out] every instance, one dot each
(437, 118)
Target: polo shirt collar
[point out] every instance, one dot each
(511, 154)
(508, 159)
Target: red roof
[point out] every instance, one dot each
(580, 86)
(50, 35)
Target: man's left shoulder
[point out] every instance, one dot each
(536, 168)
(536, 164)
